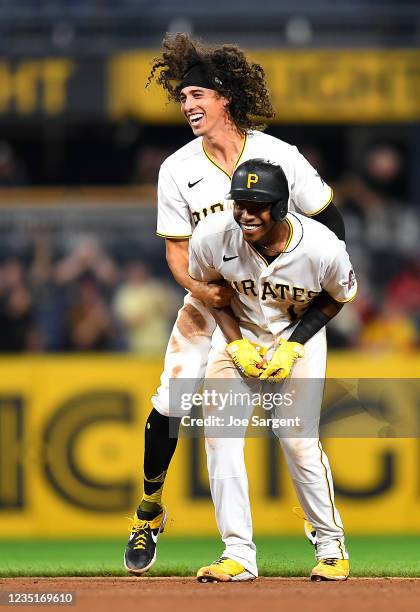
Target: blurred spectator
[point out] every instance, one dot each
(87, 257)
(314, 157)
(51, 299)
(403, 292)
(89, 321)
(146, 164)
(12, 171)
(374, 184)
(383, 170)
(85, 279)
(143, 307)
(390, 330)
(17, 329)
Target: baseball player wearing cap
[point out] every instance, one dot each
(291, 275)
(224, 99)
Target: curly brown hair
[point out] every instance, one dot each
(242, 81)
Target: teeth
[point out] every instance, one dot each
(250, 227)
(196, 117)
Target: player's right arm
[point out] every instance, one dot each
(212, 295)
(246, 356)
(176, 226)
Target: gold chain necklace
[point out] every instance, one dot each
(262, 246)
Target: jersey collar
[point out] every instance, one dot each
(217, 165)
(295, 236)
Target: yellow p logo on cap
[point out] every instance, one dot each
(252, 179)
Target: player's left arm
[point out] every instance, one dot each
(339, 286)
(247, 356)
(242, 352)
(313, 197)
(332, 218)
(322, 309)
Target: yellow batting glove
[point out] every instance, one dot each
(284, 358)
(262, 350)
(247, 356)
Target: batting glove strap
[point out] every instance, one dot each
(284, 358)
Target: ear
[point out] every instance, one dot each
(225, 100)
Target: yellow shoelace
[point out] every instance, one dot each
(139, 527)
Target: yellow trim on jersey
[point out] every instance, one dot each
(290, 236)
(258, 253)
(217, 165)
(322, 207)
(174, 237)
(289, 240)
(349, 299)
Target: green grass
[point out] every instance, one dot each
(288, 556)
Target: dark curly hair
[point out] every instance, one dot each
(242, 81)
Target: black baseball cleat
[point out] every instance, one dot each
(140, 552)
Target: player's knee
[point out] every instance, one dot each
(224, 459)
(299, 450)
(224, 446)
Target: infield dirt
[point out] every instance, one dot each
(181, 594)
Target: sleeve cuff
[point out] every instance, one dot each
(174, 237)
(323, 207)
(350, 299)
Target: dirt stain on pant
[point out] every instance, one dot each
(191, 322)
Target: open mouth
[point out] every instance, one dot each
(250, 227)
(195, 119)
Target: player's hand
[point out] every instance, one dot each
(284, 358)
(247, 356)
(214, 295)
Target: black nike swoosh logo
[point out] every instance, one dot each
(229, 258)
(193, 184)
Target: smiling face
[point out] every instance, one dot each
(254, 219)
(204, 109)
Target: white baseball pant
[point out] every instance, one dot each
(307, 463)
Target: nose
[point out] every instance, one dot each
(246, 216)
(187, 104)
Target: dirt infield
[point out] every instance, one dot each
(180, 594)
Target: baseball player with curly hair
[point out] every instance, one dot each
(291, 276)
(224, 99)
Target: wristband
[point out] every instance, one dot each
(310, 323)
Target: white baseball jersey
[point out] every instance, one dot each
(272, 297)
(191, 186)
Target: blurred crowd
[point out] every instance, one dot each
(383, 238)
(86, 299)
(83, 302)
